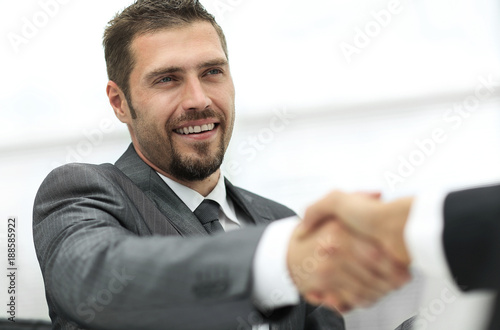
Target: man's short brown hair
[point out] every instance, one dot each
(147, 16)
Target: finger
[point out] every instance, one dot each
(320, 212)
(314, 298)
(363, 267)
(353, 281)
(344, 300)
(311, 223)
(367, 285)
(356, 211)
(359, 286)
(380, 267)
(371, 194)
(335, 303)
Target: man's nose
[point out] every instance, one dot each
(194, 95)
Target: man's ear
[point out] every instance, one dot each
(118, 102)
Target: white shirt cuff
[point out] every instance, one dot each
(424, 235)
(273, 286)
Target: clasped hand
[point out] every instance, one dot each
(349, 251)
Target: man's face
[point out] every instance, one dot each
(183, 94)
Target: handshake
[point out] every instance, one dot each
(349, 250)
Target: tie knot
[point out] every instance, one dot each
(208, 211)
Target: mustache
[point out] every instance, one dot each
(196, 115)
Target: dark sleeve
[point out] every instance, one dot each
(305, 316)
(100, 274)
(322, 318)
(471, 237)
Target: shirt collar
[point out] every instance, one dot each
(193, 199)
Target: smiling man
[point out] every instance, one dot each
(160, 239)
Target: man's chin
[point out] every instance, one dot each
(192, 174)
(194, 168)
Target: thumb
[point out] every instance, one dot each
(318, 213)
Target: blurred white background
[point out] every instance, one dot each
(395, 96)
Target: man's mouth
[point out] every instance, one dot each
(195, 129)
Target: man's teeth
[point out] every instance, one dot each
(195, 129)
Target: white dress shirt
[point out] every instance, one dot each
(444, 305)
(273, 287)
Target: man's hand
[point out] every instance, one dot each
(383, 222)
(334, 266)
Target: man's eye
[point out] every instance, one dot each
(165, 80)
(214, 71)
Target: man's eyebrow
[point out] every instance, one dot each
(216, 62)
(162, 71)
(175, 69)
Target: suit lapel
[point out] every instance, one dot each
(179, 215)
(259, 213)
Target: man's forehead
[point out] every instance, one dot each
(170, 37)
(197, 41)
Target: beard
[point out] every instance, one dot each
(171, 160)
(190, 169)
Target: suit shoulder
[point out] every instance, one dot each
(79, 186)
(75, 172)
(75, 179)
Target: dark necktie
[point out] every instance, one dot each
(208, 214)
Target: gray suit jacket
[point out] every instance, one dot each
(119, 250)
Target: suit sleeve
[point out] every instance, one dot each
(471, 237)
(455, 236)
(99, 274)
